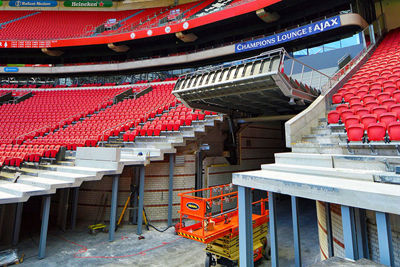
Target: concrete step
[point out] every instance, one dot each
(7, 197)
(66, 163)
(48, 184)
(22, 190)
(319, 148)
(320, 130)
(356, 174)
(321, 138)
(338, 160)
(85, 170)
(75, 178)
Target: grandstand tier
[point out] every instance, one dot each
(368, 104)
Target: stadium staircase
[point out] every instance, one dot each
(71, 168)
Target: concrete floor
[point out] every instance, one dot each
(78, 248)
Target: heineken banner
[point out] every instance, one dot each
(32, 3)
(1, 3)
(81, 3)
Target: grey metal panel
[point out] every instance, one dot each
(257, 67)
(192, 81)
(198, 80)
(210, 78)
(266, 66)
(224, 75)
(247, 69)
(274, 64)
(204, 79)
(239, 71)
(216, 76)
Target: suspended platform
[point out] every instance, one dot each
(272, 83)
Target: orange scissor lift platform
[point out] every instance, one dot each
(217, 223)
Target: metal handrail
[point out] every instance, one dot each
(232, 63)
(308, 66)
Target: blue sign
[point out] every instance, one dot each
(283, 37)
(33, 3)
(11, 69)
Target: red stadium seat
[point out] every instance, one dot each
(379, 110)
(337, 98)
(355, 132)
(350, 120)
(387, 118)
(345, 113)
(368, 119)
(376, 132)
(361, 111)
(333, 117)
(394, 131)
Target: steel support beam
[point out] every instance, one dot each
(45, 225)
(170, 187)
(329, 234)
(272, 229)
(141, 195)
(245, 227)
(135, 196)
(372, 33)
(17, 222)
(361, 233)
(349, 232)
(114, 206)
(74, 208)
(296, 231)
(384, 238)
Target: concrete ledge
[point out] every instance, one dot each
(354, 193)
(99, 153)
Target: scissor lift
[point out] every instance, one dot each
(215, 212)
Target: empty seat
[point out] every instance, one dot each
(345, 113)
(383, 96)
(388, 103)
(355, 132)
(333, 117)
(342, 107)
(337, 98)
(393, 130)
(387, 118)
(371, 104)
(361, 111)
(379, 110)
(350, 120)
(376, 132)
(368, 119)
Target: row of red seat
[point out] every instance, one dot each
(14, 155)
(110, 122)
(375, 132)
(47, 111)
(169, 121)
(369, 103)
